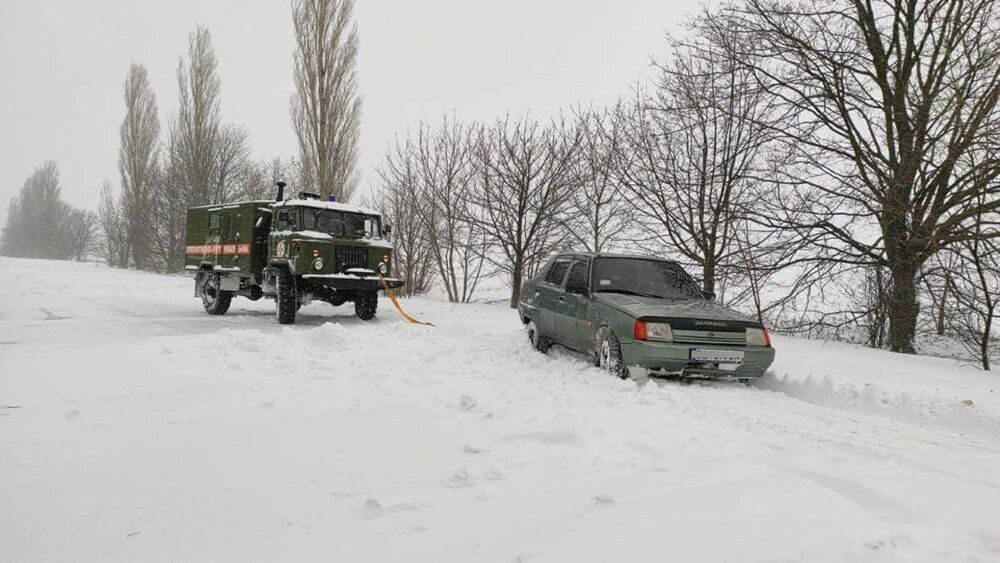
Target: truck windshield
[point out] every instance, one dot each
(341, 223)
(644, 277)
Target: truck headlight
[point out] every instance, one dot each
(660, 332)
(318, 264)
(383, 268)
(758, 337)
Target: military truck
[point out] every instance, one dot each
(291, 250)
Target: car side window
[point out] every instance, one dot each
(576, 282)
(557, 272)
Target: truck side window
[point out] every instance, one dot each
(557, 272)
(213, 220)
(283, 223)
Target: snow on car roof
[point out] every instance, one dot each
(320, 204)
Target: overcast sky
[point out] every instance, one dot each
(63, 63)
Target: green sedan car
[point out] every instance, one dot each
(639, 315)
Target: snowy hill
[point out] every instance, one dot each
(133, 426)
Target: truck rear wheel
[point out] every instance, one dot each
(215, 300)
(287, 298)
(365, 304)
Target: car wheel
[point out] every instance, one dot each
(609, 355)
(538, 342)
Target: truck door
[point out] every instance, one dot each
(258, 248)
(571, 306)
(214, 240)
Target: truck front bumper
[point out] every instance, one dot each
(668, 358)
(351, 282)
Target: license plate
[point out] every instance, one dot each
(716, 356)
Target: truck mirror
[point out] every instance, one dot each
(386, 229)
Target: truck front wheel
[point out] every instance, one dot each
(287, 298)
(215, 300)
(365, 304)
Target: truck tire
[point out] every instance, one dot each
(287, 298)
(215, 300)
(365, 305)
(609, 355)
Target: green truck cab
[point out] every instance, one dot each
(640, 315)
(292, 251)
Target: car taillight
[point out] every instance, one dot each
(767, 337)
(639, 331)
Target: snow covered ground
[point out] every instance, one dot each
(135, 427)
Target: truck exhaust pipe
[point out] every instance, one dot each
(281, 191)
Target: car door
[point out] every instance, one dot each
(572, 305)
(547, 292)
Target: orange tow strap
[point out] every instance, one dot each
(395, 303)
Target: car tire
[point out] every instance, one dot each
(538, 342)
(609, 355)
(366, 305)
(287, 298)
(215, 300)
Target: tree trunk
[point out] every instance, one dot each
(708, 281)
(941, 306)
(516, 279)
(903, 307)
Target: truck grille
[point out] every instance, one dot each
(352, 258)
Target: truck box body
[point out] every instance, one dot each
(221, 237)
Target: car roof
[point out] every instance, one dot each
(590, 255)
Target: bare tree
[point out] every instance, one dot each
(889, 109)
(32, 217)
(114, 229)
(137, 161)
(81, 233)
(398, 202)
(326, 106)
(598, 216)
(447, 166)
(195, 135)
(693, 148)
(524, 183)
(168, 212)
(259, 179)
(975, 295)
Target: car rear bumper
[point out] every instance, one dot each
(350, 282)
(665, 358)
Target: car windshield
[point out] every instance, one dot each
(644, 277)
(341, 223)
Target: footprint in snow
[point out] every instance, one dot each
(371, 508)
(461, 478)
(473, 450)
(71, 415)
(604, 500)
(467, 403)
(267, 406)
